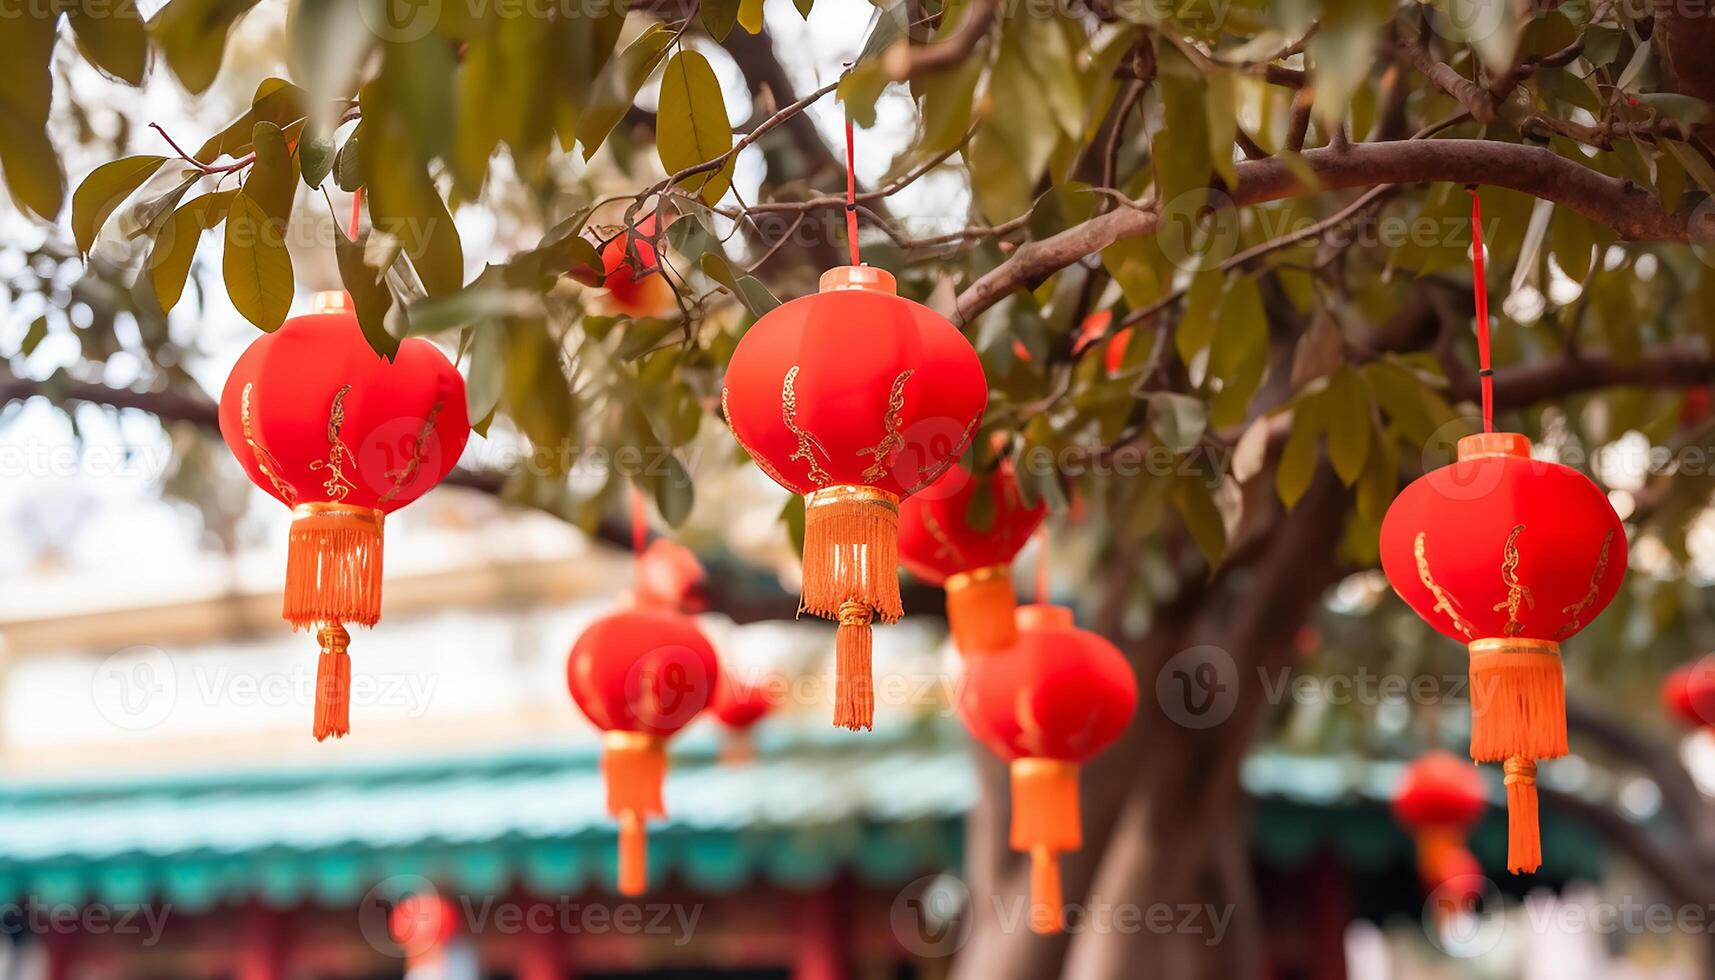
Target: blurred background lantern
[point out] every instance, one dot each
(854, 398)
(1510, 556)
(631, 273)
(1439, 799)
(342, 436)
(962, 533)
(1052, 701)
(738, 706)
(639, 675)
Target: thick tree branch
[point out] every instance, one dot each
(1621, 205)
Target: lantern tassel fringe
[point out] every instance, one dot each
(854, 682)
(634, 766)
(851, 552)
(333, 683)
(1524, 836)
(333, 566)
(1518, 700)
(980, 610)
(1045, 823)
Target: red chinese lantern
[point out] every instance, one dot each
(738, 707)
(422, 925)
(939, 544)
(342, 436)
(854, 398)
(1439, 799)
(640, 676)
(1510, 556)
(1688, 693)
(1050, 703)
(631, 272)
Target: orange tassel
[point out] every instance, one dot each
(851, 552)
(1045, 823)
(1524, 837)
(980, 609)
(333, 684)
(634, 765)
(1518, 715)
(1435, 846)
(854, 681)
(333, 565)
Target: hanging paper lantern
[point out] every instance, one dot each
(1439, 799)
(1510, 556)
(422, 925)
(1688, 693)
(669, 577)
(1050, 703)
(939, 544)
(738, 707)
(854, 398)
(640, 676)
(631, 272)
(343, 437)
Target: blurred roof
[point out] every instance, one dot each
(885, 807)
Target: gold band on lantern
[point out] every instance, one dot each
(987, 573)
(631, 741)
(368, 515)
(1495, 646)
(852, 494)
(1032, 766)
(332, 301)
(1487, 444)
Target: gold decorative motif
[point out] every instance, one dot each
(264, 459)
(761, 464)
(1517, 594)
(1444, 603)
(1576, 610)
(808, 445)
(337, 484)
(891, 442)
(945, 547)
(405, 474)
(934, 472)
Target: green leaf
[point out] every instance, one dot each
(1348, 414)
(275, 101)
(1195, 502)
(404, 203)
(1239, 352)
(748, 289)
(671, 483)
(107, 187)
(33, 171)
(1298, 457)
(273, 179)
(111, 36)
(315, 159)
(616, 87)
(176, 245)
(692, 125)
(750, 16)
(1180, 148)
(34, 336)
(718, 17)
(369, 293)
(192, 36)
(348, 162)
(1687, 109)
(487, 370)
(256, 266)
(1177, 420)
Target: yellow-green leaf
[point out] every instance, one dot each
(1348, 412)
(192, 36)
(176, 245)
(692, 125)
(32, 167)
(616, 87)
(750, 16)
(110, 34)
(257, 268)
(106, 187)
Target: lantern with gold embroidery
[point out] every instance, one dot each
(342, 436)
(1510, 556)
(941, 543)
(854, 398)
(1047, 705)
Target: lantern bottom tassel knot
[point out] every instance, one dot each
(1518, 715)
(333, 683)
(1045, 824)
(851, 574)
(634, 765)
(980, 609)
(854, 681)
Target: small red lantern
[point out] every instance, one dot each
(343, 437)
(640, 676)
(669, 576)
(938, 545)
(1510, 556)
(1439, 799)
(854, 398)
(422, 925)
(1688, 693)
(738, 707)
(1050, 703)
(631, 272)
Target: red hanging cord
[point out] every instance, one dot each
(356, 214)
(639, 522)
(1042, 565)
(1479, 284)
(851, 196)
